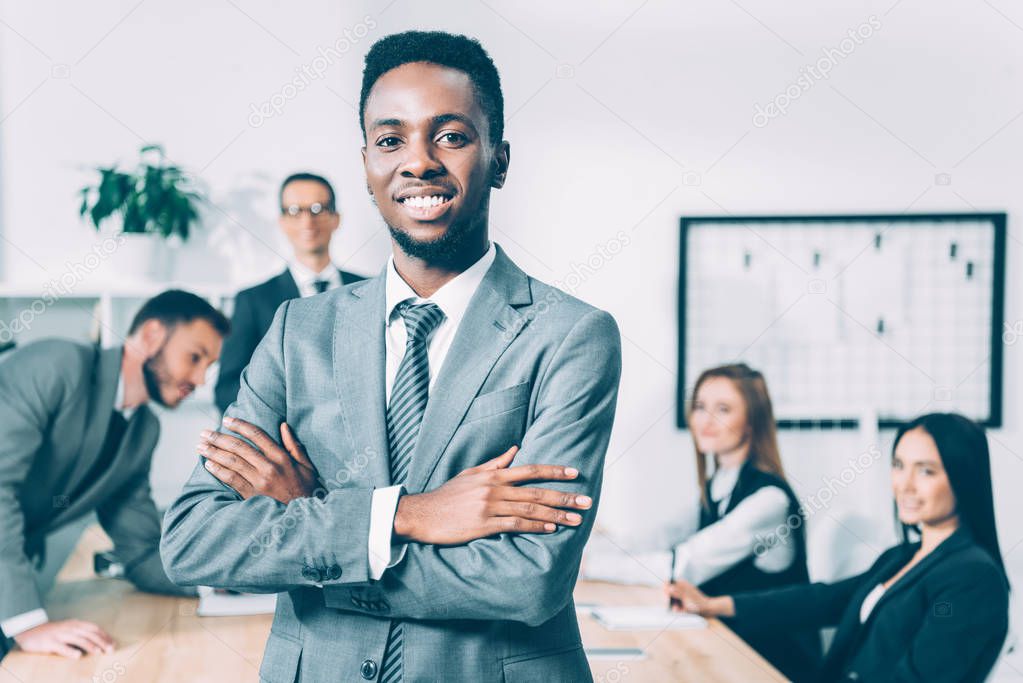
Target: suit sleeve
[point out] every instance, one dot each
(967, 618)
(238, 349)
(131, 520)
(815, 605)
(35, 385)
(523, 577)
(213, 537)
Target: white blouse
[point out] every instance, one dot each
(870, 602)
(758, 526)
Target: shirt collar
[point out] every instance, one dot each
(723, 482)
(119, 399)
(452, 298)
(305, 276)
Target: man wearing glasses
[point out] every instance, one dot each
(309, 218)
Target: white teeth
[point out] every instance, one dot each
(424, 202)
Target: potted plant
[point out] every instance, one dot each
(153, 204)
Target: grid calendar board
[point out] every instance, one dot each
(895, 315)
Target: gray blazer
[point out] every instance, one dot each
(529, 365)
(57, 399)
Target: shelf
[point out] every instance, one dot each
(114, 290)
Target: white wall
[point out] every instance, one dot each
(622, 117)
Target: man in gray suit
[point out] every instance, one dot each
(419, 555)
(76, 437)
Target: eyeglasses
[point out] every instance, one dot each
(315, 210)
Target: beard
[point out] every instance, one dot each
(451, 248)
(154, 374)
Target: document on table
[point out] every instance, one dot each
(646, 618)
(214, 603)
(617, 654)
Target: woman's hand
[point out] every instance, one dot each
(696, 601)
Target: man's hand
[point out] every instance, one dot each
(267, 470)
(69, 638)
(487, 500)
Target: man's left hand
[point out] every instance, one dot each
(263, 470)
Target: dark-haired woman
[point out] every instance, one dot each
(931, 610)
(751, 532)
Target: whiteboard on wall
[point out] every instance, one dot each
(898, 315)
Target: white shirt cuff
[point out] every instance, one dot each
(382, 554)
(23, 622)
(683, 564)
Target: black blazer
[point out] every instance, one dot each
(944, 620)
(254, 310)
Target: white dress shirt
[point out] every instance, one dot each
(453, 299)
(304, 278)
(750, 529)
(25, 621)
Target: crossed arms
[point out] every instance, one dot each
(215, 536)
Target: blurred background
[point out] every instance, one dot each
(623, 117)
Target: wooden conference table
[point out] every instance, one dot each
(160, 639)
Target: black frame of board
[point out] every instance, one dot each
(998, 220)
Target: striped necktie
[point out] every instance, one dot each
(409, 395)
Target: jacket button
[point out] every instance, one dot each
(369, 670)
(310, 573)
(335, 572)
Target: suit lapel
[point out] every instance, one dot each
(287, 287)
(850, 631)
(359, 372)
(136, 446)
(959, 539)
(490, 324)
(105, 373)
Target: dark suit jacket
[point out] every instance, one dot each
(254, 310)
(944, 620)
(57, 399)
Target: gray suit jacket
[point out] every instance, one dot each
(57, 399)
(529, 365)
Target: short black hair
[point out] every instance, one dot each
(295, 177)
(175, 306)
(445, 49)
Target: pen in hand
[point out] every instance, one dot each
(673, 602)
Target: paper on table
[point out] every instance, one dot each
(646, 618)
(214, 604)
(618, 654)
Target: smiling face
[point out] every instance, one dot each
(179, 364)
(718, 418)
(923, 494)
(309, 234)
(429, 161)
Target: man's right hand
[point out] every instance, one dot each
(69, 638)
(487, 500)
